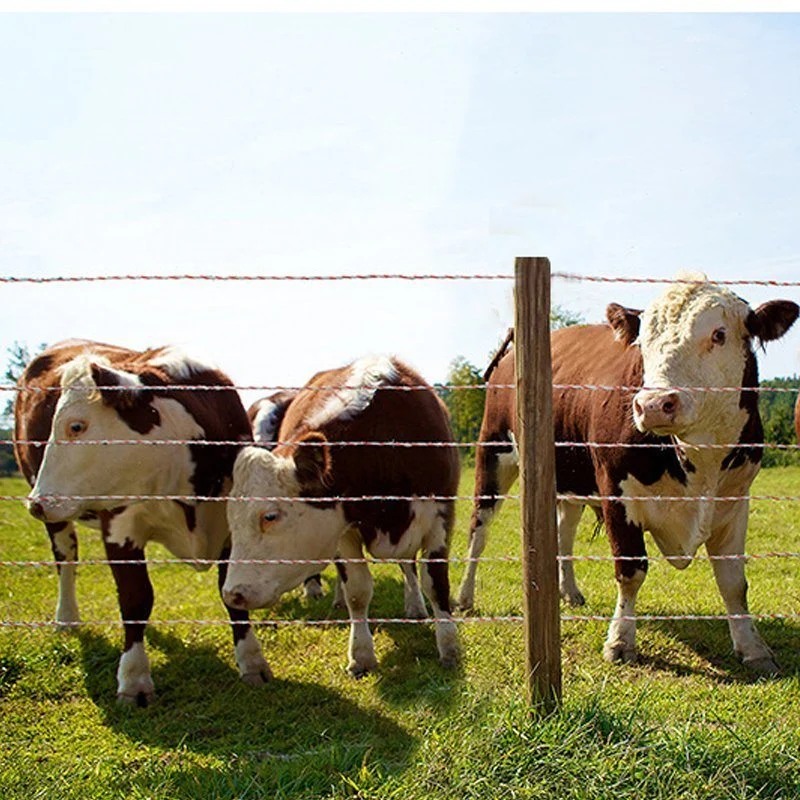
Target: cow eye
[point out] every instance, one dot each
(77, 427)
(718, 337)
(268, 518)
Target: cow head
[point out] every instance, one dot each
(271, 528)
(697, 334)
(98, 402)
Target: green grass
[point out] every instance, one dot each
(686, 722)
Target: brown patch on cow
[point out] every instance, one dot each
(189, 512)
(797, 419)
(134, 406)
(391, 416)
(753, 430)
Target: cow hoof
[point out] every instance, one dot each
(338, 604)
(574, 599)
(140, 699)
(619, 654)
(763, 666)
(356, 670)
(257, 678)
(465, 603)
(415, 612)
(313, 590)
(449, 660)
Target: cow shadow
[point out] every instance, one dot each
(212, 712)
(409, 672)
(711, 642)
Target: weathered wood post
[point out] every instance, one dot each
(537, 483)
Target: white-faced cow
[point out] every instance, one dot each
(79, 392)
(695, 335)
(308, 469)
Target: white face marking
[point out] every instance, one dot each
(177, 363)
(274, 529)
(694, 335)
(367, 375)
(95, 469)
(265, 424)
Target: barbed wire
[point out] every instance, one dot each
(372, 276)
(508, 559)
(465, 620)
(369, 443)
(449, 387)
(585, 498)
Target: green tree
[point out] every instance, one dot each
(465, 405)
(561, 317)
(777, 414)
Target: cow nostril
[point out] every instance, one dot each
(36, 510)
(670, 405)
(235, 600)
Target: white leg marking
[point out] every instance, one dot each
(435, 542)
(621, 641)
(134, 683)
(253, 667)
(358, 593)
(569, 515)
(414, 602)
(67, 603)
(747, 642)
(477, 544)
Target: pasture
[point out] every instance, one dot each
(688, 721)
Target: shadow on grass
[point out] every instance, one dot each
(203, 707)
(410, 673)
(711, 641)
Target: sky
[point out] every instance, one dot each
(615, 144)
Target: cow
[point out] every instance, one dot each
(78, 392)
(696, 334)
(308, 492)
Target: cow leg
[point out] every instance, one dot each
(729, 573)
(338, 594)
(414, 603)
(494, 474)
(253, 667)
(356, 582)
(627, 540)
(569, 516)
(436, 585)
(135, 593)
(64, 544)
(312, 587)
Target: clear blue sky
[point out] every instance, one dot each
(614, 144)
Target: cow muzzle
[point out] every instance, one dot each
(660, 411)
(49, 510)
(246, 597)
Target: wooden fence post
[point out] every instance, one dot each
(541, 601)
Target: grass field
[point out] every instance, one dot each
(686, 722)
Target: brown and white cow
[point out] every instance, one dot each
(90, 392)
(695, 335)
(310, 468)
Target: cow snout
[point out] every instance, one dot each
(36, 510)
(654, 410)
(238, 597)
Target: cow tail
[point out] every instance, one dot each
(501, 351)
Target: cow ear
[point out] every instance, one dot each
(312, 461)
(771, 320)
(117, 388)
(624, 322)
